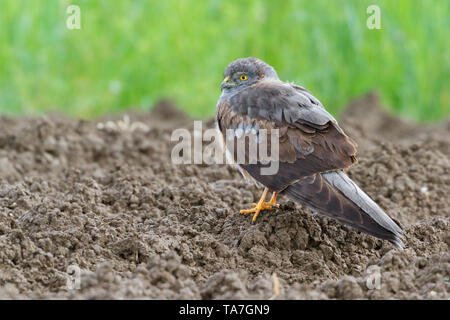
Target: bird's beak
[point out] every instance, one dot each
(226, 83)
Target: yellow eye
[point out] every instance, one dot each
(243, 77)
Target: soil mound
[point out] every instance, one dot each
(103, 203)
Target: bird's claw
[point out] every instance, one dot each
(258, 207)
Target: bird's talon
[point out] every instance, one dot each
(262, 205)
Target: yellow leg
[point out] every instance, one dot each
(273, 200)
(262, 205)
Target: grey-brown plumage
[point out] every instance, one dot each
(313, 149)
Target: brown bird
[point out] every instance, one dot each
(313, 149)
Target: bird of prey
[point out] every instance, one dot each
(313, 149)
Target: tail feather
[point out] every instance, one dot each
(335, 195)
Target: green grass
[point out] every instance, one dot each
(129, 54)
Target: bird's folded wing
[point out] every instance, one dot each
(334, 195)
(310, 140)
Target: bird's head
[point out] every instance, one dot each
(244, 72)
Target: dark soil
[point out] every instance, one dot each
(111, 203)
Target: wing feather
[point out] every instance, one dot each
(310, 140)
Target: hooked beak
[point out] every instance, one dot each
(226, 83)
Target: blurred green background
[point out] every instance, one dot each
(129, 54)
